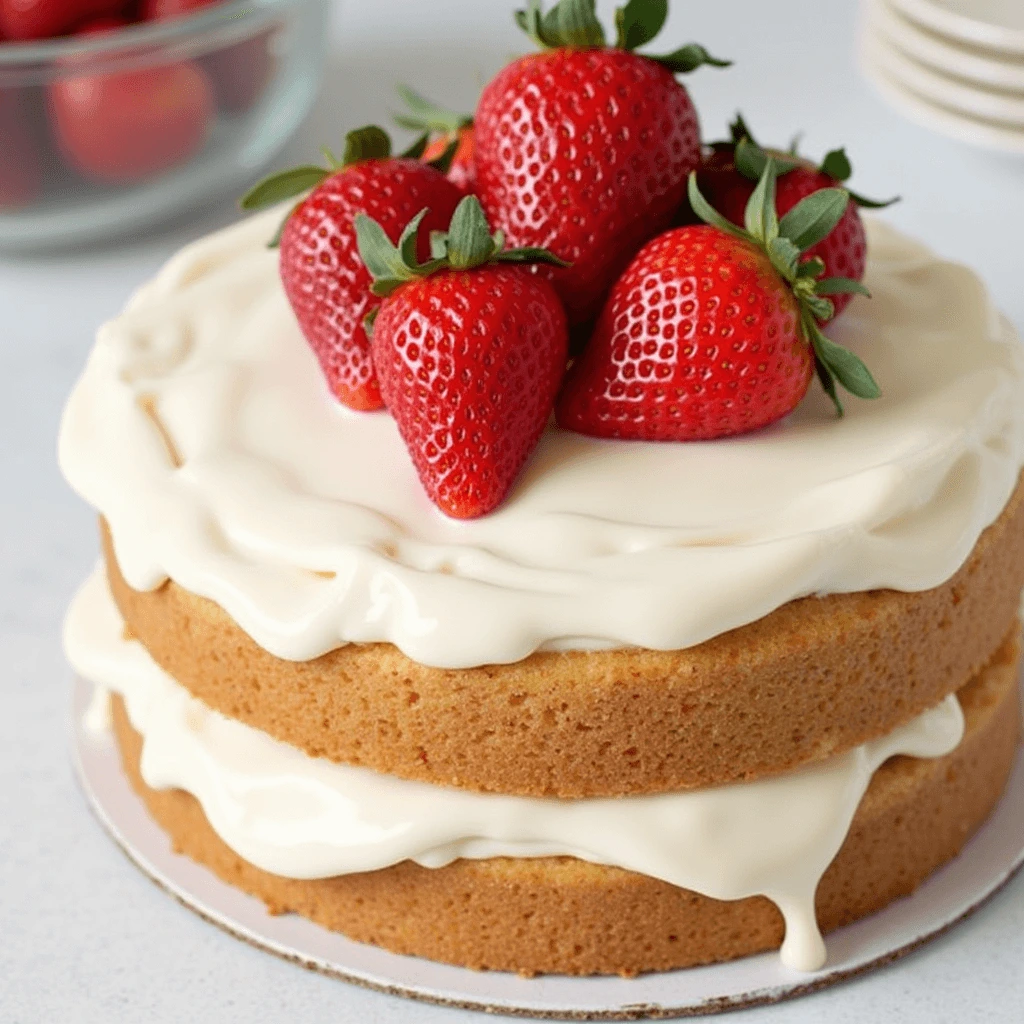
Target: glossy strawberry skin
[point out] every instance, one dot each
(844, 251)
(586, 153)
(469, 364)
(699, 339)
(327, 283)
(462, 171)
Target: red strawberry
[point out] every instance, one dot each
(713, 331)
(585, 149)
(470, 348)
(43, 19)
(240, 73)
(728, 175)
(126, 126)
(325, 280)
(448, 138)
(21, 164)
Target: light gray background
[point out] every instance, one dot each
(83, 935)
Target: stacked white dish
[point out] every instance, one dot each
(955, 66)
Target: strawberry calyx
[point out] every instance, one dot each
(574, 23)
(784, 242)
(368, 143)
(750, 159)
(429, 120)
(468, 243)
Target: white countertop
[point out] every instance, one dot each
(83, 935)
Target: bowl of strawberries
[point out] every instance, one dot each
(115, 114)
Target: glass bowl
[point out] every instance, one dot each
(106, 133)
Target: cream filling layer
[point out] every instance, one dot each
(202, 430)
(301, 817)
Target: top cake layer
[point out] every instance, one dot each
(202, 431)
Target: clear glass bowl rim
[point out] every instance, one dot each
(149, 35)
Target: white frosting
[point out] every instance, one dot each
(310, 818)
(308, 525)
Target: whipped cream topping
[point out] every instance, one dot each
(301, 817)
(203, 431)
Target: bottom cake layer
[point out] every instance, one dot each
(565, 916)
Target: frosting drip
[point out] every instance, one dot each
(202, 430)
(309, 818)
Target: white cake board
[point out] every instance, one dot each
(986, 864)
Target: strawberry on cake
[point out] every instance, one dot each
(605, 562)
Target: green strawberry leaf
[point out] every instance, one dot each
(846, 367)
(814, 217)
(822, 308)
(469, 236)
(573, 23)
(688, 58)
(840, 286)
(466, 244)
(369, 143)
(530, 255)
(407, 241)
(814, 267)
(443, 163)
(707, 213)
(438, 245)
(785, 257)
(417, 149)
(369, 320)
(828, 385)
(568, 23)
(872, 204)
(639, 22)
(759, 217)
(836, 165)
(739, 131)
(750, 159)
(425, 116)
(531, 21)
(283, 185)
(384, 261)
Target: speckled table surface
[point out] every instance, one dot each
(84, 936)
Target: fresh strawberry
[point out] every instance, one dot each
(447, 138)
(325, 280)
(43, 19)
(240, 73)
(713, 330)
(584, 148)
(470, 348)
(127, 126)
(728, 175)
(21, 164)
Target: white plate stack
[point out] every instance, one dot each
(955, 66)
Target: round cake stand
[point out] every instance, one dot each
(988, 861)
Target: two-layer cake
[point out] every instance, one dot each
(668, 704)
